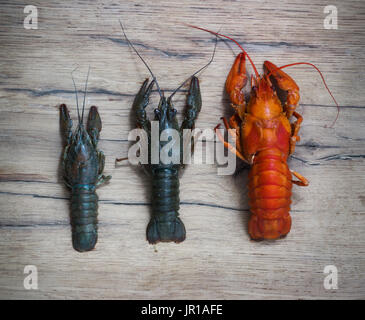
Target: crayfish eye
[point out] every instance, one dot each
(157, 114)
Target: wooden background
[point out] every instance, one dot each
(217, 260)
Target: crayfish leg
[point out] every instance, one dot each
(303, 182)
(295, 129)
(227, 145)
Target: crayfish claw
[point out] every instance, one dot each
(284, 82)
(66, 124)
(194, 96)
(140, 103)
(194, 103)
(94, 125)
(237, 80)
(142, 98)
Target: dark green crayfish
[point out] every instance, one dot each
(82, 165)
(165, 224)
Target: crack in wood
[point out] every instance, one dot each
(266, 45)
(139, 44)
(41, 93)
(329, 158)
(113, 202)
(50, 92)
(23, 177)
(331, 106)
(314, 145)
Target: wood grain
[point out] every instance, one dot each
(217, 261)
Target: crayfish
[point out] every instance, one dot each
(265, 137)
(83, 165)
(165, 224)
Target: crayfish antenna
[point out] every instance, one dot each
(83, 105)
(200, 69)
(120, 159)
(229, 38)
(144, 62)
(77, 100)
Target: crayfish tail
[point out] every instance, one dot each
(265, 229)
(165, 224)
(84, 241)
(84, 211)
(269, 192)
(166, 231)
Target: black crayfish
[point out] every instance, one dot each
(165, 224)
(83, 165)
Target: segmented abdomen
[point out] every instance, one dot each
(165, 224)
(269, 192)
(165, 194)
(84, 211)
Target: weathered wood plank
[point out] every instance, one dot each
(217, 260)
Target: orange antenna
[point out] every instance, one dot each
(324, 82)
(224, 36)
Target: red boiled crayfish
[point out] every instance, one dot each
(265, 137)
